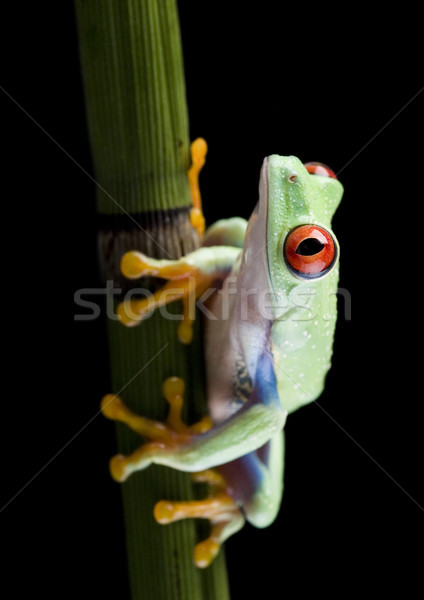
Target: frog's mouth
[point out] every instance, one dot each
(263, 180)
(263, 211)
(255, 251)
(263, 193)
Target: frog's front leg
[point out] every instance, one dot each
(188, 278)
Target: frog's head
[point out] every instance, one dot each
(300, 201)
(297, 203)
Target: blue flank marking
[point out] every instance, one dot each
(265, 390)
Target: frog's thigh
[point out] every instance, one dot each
(226, 232)
(263, 506)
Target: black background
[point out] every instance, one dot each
(269, 78)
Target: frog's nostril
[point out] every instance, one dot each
(309, 247)
(293, 178)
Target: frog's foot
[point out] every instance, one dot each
(189, 277)
(164, 438)
(198, 150)
(219, 507)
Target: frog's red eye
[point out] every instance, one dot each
(310, 251)
(317, 168)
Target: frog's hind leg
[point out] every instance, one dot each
(219, 508)
(257, 481)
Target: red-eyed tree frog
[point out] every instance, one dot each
(269, 336)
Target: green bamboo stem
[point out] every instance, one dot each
(135, 97)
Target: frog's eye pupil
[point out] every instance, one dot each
(317, 168)
(310, 251)
(309, 247)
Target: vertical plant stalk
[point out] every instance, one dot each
(136, 108)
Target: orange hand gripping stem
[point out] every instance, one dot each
(198, 151)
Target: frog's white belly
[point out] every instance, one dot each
(232, 350)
